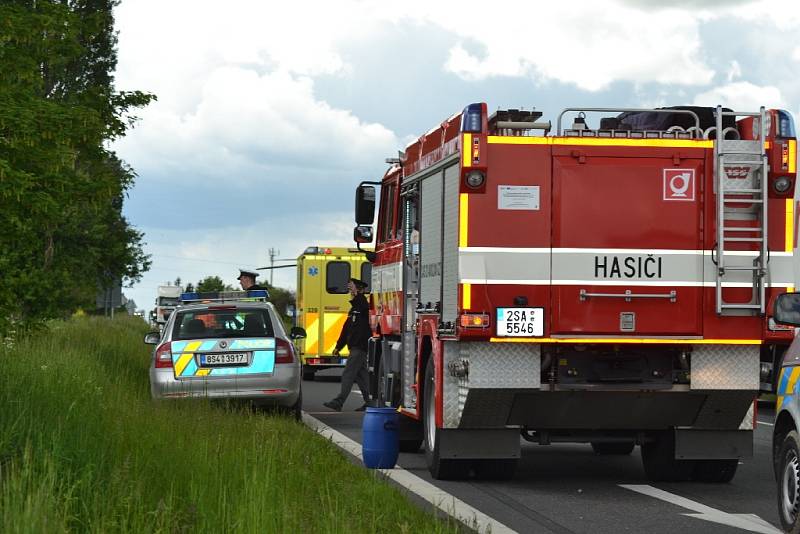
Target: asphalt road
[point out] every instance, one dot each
(564, 488)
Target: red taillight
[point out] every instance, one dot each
(284, 351)
(164, 356)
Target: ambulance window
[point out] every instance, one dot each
(337, 274)
(366, 275)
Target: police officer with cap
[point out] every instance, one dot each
(355, 334)
(247, 279)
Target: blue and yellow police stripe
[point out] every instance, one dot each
(185, 363)
(786, 384)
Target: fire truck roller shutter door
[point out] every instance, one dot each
(450, 248)
(431, 239)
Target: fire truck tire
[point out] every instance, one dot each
(715, 471)
(503, 469)
(410, 445)
(612, 448)
(308, 374)
(660, 464)
(440, 469)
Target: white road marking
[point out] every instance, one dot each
(765, 423)
(749, 522)
(447, 503)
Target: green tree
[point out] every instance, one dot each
(211, 283)
(62, 232)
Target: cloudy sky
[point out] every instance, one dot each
(270, 113)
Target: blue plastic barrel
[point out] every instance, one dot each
(380, 445)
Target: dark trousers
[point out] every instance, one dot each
(355, 370)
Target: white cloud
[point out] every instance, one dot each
(796, 53)
(195, 254)
(588, 44)
(742, 96)
(246, 124)
(734, 71)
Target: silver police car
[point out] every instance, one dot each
(227, 346)
(786, 430)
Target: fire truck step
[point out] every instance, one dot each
(740, 229)
(745, 239)
(743, 200)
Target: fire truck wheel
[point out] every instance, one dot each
(716, 471)
(496, 469)
(658, 458)
(612, 448)
(788, 473)
(440, 469)
(308, 374)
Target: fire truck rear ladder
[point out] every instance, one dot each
(749, 155)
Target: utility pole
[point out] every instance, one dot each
(272, 254)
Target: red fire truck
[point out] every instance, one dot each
(610, 285)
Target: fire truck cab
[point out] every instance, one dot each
(608, 284)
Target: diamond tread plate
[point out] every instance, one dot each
(503, 365)
(728, 367)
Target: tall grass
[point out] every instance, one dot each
(84, 448)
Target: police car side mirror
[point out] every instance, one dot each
(362, 234)
(297, 332)
(365, 204)
(787, 309)
(152, 338)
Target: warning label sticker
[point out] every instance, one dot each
(518, 197)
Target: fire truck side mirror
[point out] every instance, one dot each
(362, 234)
(787, 309)
(365, 205)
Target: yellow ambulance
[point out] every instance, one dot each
(323, 302)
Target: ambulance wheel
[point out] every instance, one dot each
(658, 458)
(612, 448)
(441, 469)
(788, 473)
(308, 374)
(715, 471)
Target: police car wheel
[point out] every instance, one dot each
(440, 469)
(789, 482)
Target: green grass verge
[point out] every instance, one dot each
(84, 448)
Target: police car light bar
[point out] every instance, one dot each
(224, 296)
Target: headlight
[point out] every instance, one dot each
(782, 184)
(475, 179)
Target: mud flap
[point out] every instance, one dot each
(478, 443)
(713, 444)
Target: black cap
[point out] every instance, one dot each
(359, 284)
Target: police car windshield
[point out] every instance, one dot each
(205, 323)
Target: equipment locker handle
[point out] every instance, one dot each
(628, 295)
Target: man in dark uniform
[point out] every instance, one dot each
(355, 334)
(247, 279)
